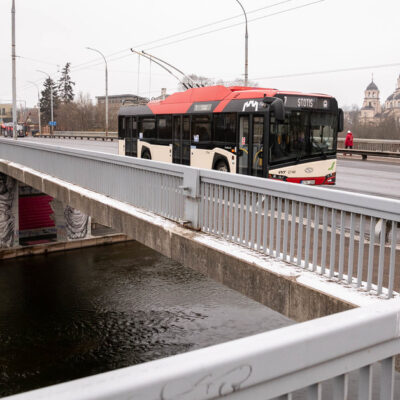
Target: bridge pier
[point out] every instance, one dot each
(8, 211)
(71, 224)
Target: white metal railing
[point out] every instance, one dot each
(350, 355)
(373, 144)
(345, 236)
(152, 186)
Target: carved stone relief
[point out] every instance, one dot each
(8, 195)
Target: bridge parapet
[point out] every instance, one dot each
(331, 357)
(347, 237)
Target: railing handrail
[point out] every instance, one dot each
(80, 133)
(362, 140)
(151, 166)
(263, 366)
(327, 197)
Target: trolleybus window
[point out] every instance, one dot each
(186, 128)
(302, 135)
(186, 141)
(201, 129)
(289, 140)
(149, 128)
(165, 129)
(225, 129)
(122, 127)
(323, 132)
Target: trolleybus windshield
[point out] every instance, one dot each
(302, 135)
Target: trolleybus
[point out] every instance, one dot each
(288, 136)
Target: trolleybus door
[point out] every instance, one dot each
(244, 148)
(186, 140)
(131, 137)
(134, 136)
(257, 144)
(177, 140)
(251, 141)
(181, 140)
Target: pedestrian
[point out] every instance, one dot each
(348, 143)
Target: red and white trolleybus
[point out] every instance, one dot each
(288, 136)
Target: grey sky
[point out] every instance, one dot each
(329, 35)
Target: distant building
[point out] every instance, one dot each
(5, 113)
(392, 103)
(163, 95)
(116, 101)
(371, 110)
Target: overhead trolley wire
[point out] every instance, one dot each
(187, 31)
(329, 71)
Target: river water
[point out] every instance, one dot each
(72, 314)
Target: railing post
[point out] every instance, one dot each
(191, 191)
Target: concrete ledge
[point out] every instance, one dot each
(51, 247)
(290, 290)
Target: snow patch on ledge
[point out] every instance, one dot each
(321, 283)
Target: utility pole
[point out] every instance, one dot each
(98, 51)
(246, 50)
(14, 77)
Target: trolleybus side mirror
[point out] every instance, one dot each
(279, 109)
(276, 106)
(340, 121)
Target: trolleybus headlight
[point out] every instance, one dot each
(280, 177)
(330, 179)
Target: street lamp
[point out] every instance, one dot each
(246, 62)
(14, 79)
(51, 100)
(98, 51)
(38, 95)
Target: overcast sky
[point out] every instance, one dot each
(325, 35)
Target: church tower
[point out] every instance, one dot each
(371, 108)
(392, 103)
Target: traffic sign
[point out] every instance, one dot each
(52, 123)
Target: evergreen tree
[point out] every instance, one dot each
(45, 107)
(65, 85)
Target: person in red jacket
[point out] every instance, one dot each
(348, 143)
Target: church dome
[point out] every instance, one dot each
(390, 97)
(372, 86)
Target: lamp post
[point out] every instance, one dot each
(38, 95)
(14, 78)
(98, 51)
(51, 100)
(246, 61)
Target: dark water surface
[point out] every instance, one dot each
(72, 314)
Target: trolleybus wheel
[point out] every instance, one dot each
(221, 166)
(146, 155)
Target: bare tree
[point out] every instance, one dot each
(205, 81)
(384, 128)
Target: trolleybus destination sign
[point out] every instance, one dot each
(306, 102)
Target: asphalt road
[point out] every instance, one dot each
(378, 177)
